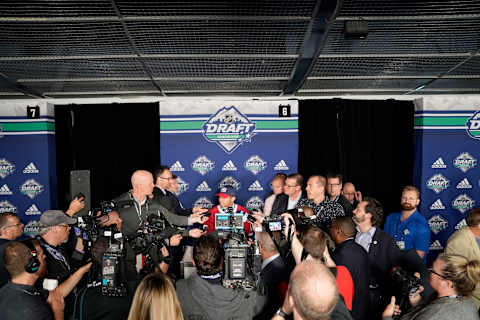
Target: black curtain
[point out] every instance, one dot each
(110, 140)
(369, 142)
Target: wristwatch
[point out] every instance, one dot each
(281, 313)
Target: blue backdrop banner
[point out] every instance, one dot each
(447, 151)
(239, 143)
(27, 164)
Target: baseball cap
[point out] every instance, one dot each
(51, 218)
(225, 192)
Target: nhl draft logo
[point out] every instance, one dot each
(436, 245)
(255, 186)
(255, 164)
(203, 203)
(33, 211)
(463, 203)
(31, 188)
(203, 187)
(465, 162)
(228, 128)
(182, 186)
(473, 125)
(31, 229)
(438, 183)
(177, 166)
(6, 168)
(5, 191)
(6, 206)
(254, 203)
(229, 181)
(203, 165)
(437, 224)
(30, 168)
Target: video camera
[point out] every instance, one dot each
(404, 284)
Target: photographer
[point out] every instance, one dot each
(136, 206)
(202, 295)
(454, 278)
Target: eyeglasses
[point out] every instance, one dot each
(64, 226)
(286, 185)
(333, 184)
(438, 274)
(13, 225)
(170, 178)
(408, 199)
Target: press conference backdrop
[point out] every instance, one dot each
(243, 144)
(446, 158)
(27, 163)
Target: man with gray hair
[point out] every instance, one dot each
(312, 293)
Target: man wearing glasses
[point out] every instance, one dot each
(293, 191)
(334, 189)
(408, 227)
(11, 228)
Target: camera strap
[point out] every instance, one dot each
(274, 240)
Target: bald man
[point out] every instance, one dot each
(135, 207)
(312, 294)
(351, 194)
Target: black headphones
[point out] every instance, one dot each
(33, 264)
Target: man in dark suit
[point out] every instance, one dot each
(351, 255)
(292, 194)
(383, 253)
(274, 275)
(334, 189)
(164, 179)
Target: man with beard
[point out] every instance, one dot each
(409, 228)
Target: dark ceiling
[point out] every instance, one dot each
(89, 48)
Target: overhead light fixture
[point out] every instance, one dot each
(355, 29)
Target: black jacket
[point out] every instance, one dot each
(346, 205)
(352, 255)
(280, 204)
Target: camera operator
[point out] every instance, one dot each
(137, 206)
(202, 295)
(454, 278)
(54, 231)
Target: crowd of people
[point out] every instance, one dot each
(331, 260)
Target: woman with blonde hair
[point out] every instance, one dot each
(454, 278)
(155, 299)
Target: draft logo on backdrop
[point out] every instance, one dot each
(31, 229)
(203, 202)
(473, 125)
(31, 188)
(229, 181)
(463, 203)
(30, 168)
(228, 128)
(203, 165)
(182, 186)
(5, 190)
(437, 224)
(6, 168)
(464, 162)
(438, 183)
(6, 206)
(255, 164)
(254, 203)
(203, 187)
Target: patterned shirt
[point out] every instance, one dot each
(325, 211)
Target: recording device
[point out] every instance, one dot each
(404, 284)
(113, 272)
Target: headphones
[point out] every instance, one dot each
(33, 264)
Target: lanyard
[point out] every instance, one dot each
(138, 208)
(57, 255)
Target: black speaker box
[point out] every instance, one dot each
(80, 183)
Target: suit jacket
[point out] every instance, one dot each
(463, 242)
(275, 277)
(280, 204)
(352, 255)
(177, 207)
(164, 199)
